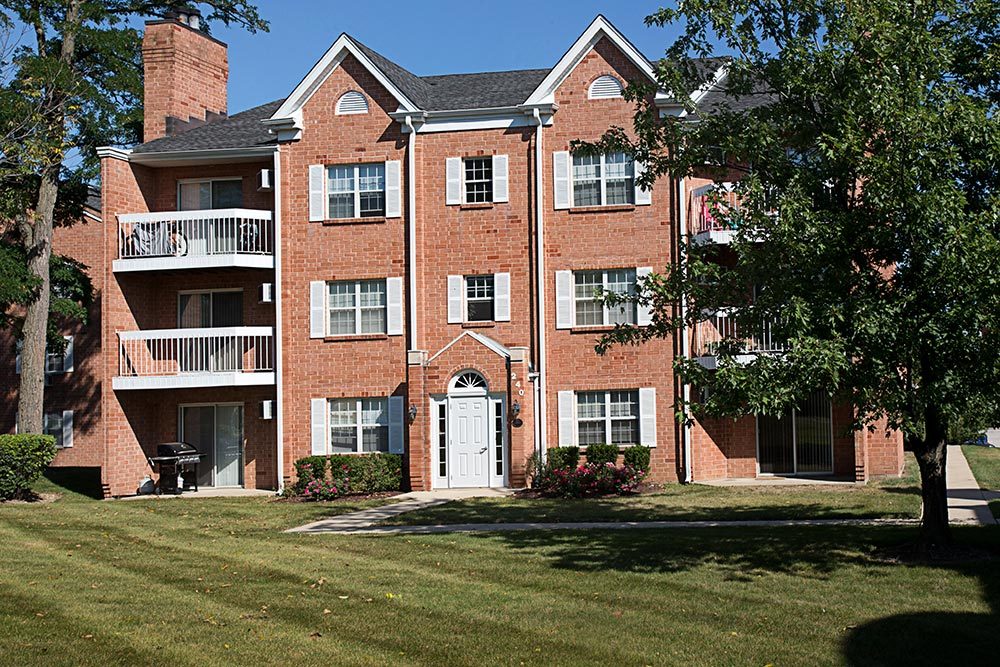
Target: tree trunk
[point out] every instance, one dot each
(932, 457)
(31, 395)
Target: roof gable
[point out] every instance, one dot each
(600, 28)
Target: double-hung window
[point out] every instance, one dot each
(478, 179)
(356, 191)
(359, 425)
(60, 426)
(589, 307)
(356, 307)
(607, 417)
(479, 298)
(603, 180)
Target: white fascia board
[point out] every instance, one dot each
(113, 152)
(600, 27)
(178, 158)
(192, 381)
(488, 342)
(322, 70)
(717, 78)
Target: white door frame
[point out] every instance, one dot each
(215, 429)
(496, 406)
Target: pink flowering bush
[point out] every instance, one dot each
(331, 488)
(589, 480)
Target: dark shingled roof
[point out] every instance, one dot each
(93, 198)
(243, 130)
(482, 90)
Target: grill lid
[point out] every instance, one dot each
(176, 449)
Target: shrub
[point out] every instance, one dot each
(637, 457)
(348, 474)
(590, 480)
(563, 457)
(23, 458)
(307, 469)
(601, 454)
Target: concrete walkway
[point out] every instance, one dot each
(967, 503)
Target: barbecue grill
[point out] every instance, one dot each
(171, 460)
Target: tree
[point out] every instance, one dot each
(73, 84)
(865, 142)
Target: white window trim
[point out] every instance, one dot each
(465, 297)
(603, 179)
(357, 190)
(358, 308)
(605, 309)
(65, 429)
(359, 425)
(607, 419)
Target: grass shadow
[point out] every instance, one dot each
(79, 480)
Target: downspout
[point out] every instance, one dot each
(540, 280)
(411, 210)
(278, 361)
(685, 338)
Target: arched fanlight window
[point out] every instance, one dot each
(605, 87)
(468, 382)
(352, 102)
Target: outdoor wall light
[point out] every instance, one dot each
(413, 413)
(515, 409)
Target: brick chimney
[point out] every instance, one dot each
(186, 73)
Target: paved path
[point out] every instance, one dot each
(967, 503)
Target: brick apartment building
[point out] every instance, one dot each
(387, 262)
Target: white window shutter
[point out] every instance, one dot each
(68, 355)
(560, 180)
(643, 313)
(453, 177)
(393, 199)
(396, 424)
(67, 428)
(643, 197)
(647, 416)
(564, 299)
(500, 193)
(317, 193)
(456, 285)
(501, 297)
(317, 309)
(318, 421)
(567, 423)
(394, 306)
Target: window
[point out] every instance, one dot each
(356, 307)
(209, 194)
(478, 179)
(498, 417)
(603, 180)
(359, 425)
(210, 308)
(442, 435)
(590, 310)
(53, 423)
(607, 417)
(356, 191)
(55, 362)
(479, 298)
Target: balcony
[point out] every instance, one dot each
(187, 358)
(721, 326)
(219, 238)
(704, 223)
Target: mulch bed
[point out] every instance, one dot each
(32, 498)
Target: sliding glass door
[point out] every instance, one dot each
(800, 442)
(217, 432)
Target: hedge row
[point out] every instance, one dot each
(368, 473)
(23, 459)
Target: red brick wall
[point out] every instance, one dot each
(375, 248)
(186, 73)
(622, 237)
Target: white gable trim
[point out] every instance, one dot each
(490, 344)
(600, 27)
(288, 111)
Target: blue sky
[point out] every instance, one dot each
(433, 37)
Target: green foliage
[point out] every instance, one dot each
(367, 473)
(563, 457)
(600, 454)
(637, 457)
(307, 469)
(23, 459)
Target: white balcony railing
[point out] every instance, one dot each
(721, 326)
(195, 239)
(173, 358)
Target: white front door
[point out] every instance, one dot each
(468, 441)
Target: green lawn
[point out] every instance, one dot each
(985, 464)
(214, 581)
(894, 498)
